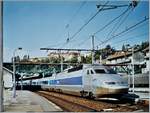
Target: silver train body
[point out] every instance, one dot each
(88, 80)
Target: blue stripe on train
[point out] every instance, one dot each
(67, 81)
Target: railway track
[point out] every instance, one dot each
(71, 103)
(66, 105)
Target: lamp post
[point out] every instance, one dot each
(93, 61)
(133, 69)
(14, 72)
(127, 46)
(22, 81)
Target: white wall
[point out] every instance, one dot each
(7, 77)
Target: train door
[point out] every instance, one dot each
(87, 80)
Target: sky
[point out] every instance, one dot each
(36, 24)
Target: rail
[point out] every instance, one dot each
(77, 104)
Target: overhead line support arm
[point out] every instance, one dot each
(56, 49)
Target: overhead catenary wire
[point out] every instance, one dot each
(69, 39)
(75, 14)
(102, 8)
(140, 26)
(118, 24)
(127, 29)
(130, 38)
(84, 41)
(67, 25)
(110, 22)
(58, 44)
(88, 21)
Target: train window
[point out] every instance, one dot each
(110, 70)
(75, 69)
(34, 83)
(45, 82)
(88, 72)
(99, 71)
(92, 72)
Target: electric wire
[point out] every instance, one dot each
(118, 24)
(75, 14)
(129, 28)
(130, 38)
(69, 40)
(106, 26)
(140, 26)
(84, 41)
(110, 22)
(89, 21)
(63, 44)
(70, 21)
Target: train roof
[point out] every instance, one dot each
(80, 67)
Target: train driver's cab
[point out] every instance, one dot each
(101, 70)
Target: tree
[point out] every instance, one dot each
(74, 59)
(83, 59)
(108, 47)
(144, 45)
(97, 55)
(46, 60)
(105, 52)
(89, 59)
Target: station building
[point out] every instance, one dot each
(141, 59)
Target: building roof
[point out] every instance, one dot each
(119, 54)
(146, 49)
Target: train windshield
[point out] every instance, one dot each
(110, 70)
(99, 71)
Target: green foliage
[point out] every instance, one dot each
(74, 60)
(144, 45)
(89, 59)
(105, 52)
(83, 59)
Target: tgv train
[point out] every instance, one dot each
(93, 80)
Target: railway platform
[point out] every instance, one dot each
(27, 101)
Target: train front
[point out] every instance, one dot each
(107, 83)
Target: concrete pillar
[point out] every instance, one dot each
(1, 57)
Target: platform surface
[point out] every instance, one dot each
(27, 101)
(143, 93)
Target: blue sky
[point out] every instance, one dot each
(35, 24)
